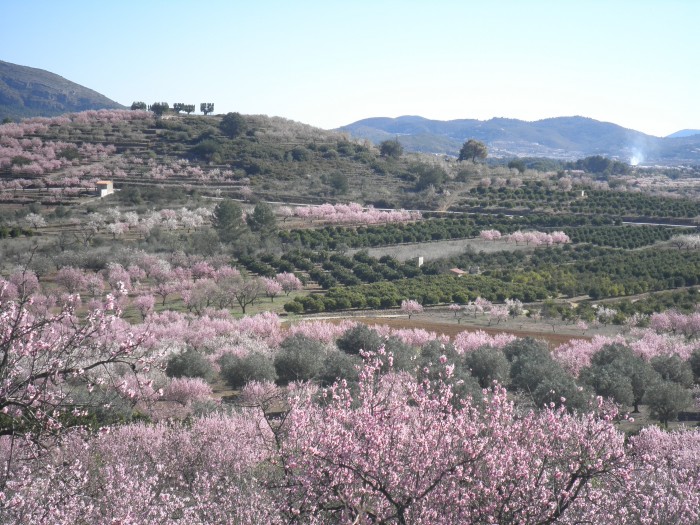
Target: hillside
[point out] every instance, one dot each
(30, 92)
(560, 138)
(684, 133)
(275, 159)
(58, 160)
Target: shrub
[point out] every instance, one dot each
(189, 363)
(339, 365)
(488, 365)
(237, 371)
(294, 307)
(359, 337)
(673, 368)
(404, 355)
(299, 359)
(561, 389)
(695, 364)
(666, 399)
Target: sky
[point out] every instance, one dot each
(332, 62)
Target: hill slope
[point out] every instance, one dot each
(684, 133)
(561, 137)
(30, 92)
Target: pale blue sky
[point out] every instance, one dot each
(329, 63)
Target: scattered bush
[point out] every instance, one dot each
(299, 359)
(237, 371)
(189, 363)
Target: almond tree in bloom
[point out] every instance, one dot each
(199, 473)
(515, 307)
(536, 238)
(118, 276)
(72, 279)
(51, 364)
(353, 213)
(400, 452)
(661, 485)
(410, 307)
(560, 237)
(576, 354)
(117, 229)
(272, 288)
(323, 331)
(391, 450)
(187, 390)
(289, 282)
(35, 220)
(94, 284)
(144, 304)
(605, 315)
(246, 292)
(490, 235)
(285, 212)
(469, 341)
(499, 313)
(674, 322)
(203, 269)
(411, 336)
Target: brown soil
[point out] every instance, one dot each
(452, 329)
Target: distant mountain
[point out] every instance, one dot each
(684, 133)
(561, 138)
(30, 92)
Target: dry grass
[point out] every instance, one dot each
(434, 250)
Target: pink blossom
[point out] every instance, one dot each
(289, 282)
(410, 307)
(490, 235)
(468, 341)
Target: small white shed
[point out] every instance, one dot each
(104, 188)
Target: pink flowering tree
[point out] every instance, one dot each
(400, 452)
(202, 270)
(559, 237)
(661, 485)
(410, 307)
(490, 235)
(246, 291)
(168, 473)
(467, 341)
(289, 282)
(498, 313)
(323, 331)
(516, 237)
(455, 308)
(48, 359)
(187, 390)
(272, 287)
(72, 279)
(94, 284)
(144, 304)
(118, 276)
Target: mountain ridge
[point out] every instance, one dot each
(683, 133)
(28, 92)
(555, 137)
(31, 92)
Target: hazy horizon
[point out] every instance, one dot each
(328, 64)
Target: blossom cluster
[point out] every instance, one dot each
(351, 213)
